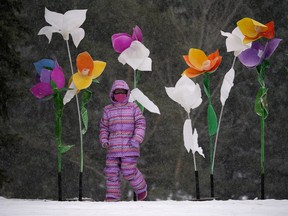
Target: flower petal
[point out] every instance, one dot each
(248, 27)
(271, 47)
(41, 90)
(214, 64)
(85, 62)
(44, 63)
(121, 43)
(45, 76)
(73, 19)
(81, 82)
(48, 31)
(77, 35)
(135, 56)
(137, 34)
(191, 72)
(58, 77)
(270, 31)
(250, 58)
(146, 65)
(197, 57)
(55, 19)
(99, 67)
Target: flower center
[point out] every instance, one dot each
(258, 29)
(85, 72)
(206, 64)
(260, 53)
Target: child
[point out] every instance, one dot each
(122, 130)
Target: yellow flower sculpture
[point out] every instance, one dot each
(88, 70)
(253, 30)
(199, 63)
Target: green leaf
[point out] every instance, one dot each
(261, 102)
(86, 96)
(64, 148)
(47, 98)
(212, 120)
(141, 107)
(261, 72)
(95, 81)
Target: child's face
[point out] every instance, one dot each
(120, 95)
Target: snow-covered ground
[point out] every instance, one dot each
(17, 207)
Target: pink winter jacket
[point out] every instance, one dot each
(122, 126)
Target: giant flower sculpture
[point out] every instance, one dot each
(65, 24)
(50, 82)
(253, 30)
(47, 71)
(133, 52)
(199, 63)
(257, 56)
(188, 95)
(87, 71)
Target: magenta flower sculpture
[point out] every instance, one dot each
(47, 71)
(50, 82)
(121, 41)
(255, 55)
(136, 55)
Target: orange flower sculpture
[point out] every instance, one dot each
(199, 63)
(253, 30)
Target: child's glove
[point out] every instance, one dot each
(106, 145)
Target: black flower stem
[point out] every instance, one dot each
(80, 131)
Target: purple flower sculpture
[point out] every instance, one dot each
(122, 41)
(254, 56)
(47, 71)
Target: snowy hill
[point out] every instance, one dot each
(17, 207)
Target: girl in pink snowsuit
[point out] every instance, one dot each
(122, 130)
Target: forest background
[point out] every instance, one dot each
(28, 153)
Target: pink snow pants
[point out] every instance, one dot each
(127, 166)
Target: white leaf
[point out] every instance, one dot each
(187, 135)
(70, 93)
(195, 147)
(191, 140)
(136, 56)
(227, 84)
(138, 95)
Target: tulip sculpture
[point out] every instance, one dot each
(257, 57)
(199, 64)
(233, 44)
(136, 55)
(188, 95)
(50, 82)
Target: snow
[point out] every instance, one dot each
(17, 207)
